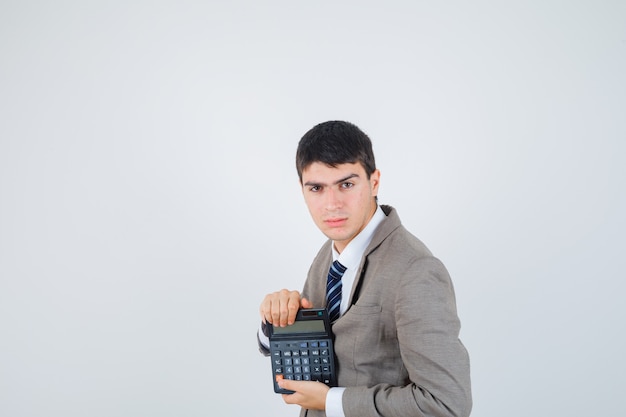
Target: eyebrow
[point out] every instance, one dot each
(317, 184)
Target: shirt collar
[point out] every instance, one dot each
(353, 252)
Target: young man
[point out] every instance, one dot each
(396, 340)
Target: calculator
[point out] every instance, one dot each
(304, 350)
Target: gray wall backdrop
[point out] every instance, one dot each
(148, 188)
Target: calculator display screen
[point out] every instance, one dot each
(303, 326)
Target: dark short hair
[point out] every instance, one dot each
(334, 143)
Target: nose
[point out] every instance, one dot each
(333, 199)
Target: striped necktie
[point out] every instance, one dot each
(333, 290)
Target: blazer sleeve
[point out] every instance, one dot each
(436, 361)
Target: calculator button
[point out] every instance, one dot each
(302, 361)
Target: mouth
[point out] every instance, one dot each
(336, 222)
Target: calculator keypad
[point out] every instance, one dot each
(309, 360)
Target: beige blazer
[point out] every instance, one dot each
(397, 346)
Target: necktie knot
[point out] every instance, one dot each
(333, 290)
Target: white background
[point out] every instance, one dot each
(148, 190)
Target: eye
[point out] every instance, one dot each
(315, 188)
(347, 185)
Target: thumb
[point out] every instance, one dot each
(306, 303)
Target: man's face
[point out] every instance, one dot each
(340, 199)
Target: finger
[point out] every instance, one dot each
(266, 308)
(291, 398)
(263, 311)
(290, 386)
(292, 307)
(289, 305)
(277, 306)
(305, 303)
(281, 305)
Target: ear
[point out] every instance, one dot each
(375, 182)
